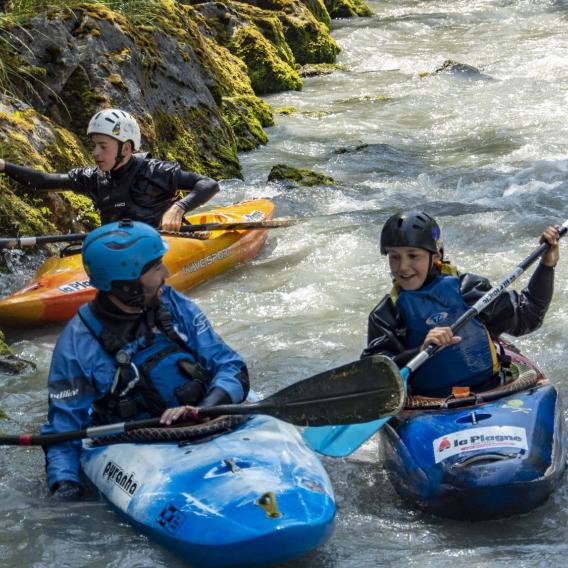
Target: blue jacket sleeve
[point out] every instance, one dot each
(80, 373)
(227, 367)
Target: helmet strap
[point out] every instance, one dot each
(119, 156)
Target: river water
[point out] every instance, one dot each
(484, 153)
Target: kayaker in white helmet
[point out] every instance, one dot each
(429, 295)
(139, 349)
(124, 184)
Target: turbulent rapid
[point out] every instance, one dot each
(483, 149)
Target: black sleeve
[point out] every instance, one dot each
(512, 312)
(37, 179)
(202, 189)
(386, 331)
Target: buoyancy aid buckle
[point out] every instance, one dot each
(132, 382)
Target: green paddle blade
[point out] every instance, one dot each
(357, 392)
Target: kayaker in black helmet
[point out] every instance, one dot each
(124, 185)
(138, 349)
(428, 295)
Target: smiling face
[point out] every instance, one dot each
(409, 266)
(105, 149)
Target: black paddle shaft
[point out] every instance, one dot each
(356, 392)
(19, 242)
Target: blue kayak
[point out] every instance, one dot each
(253, 496)
(499, 454)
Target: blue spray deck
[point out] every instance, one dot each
(254, 496)
(485, 461)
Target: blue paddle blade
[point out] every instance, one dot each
(341, 441)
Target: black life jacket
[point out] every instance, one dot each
(153, 372)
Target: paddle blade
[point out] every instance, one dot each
(341, 441)
(354, 393)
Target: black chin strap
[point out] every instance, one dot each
(433, 271)
(119, 157)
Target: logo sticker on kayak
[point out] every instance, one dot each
(123, 479)
(489, 438)
(75, 286)
(206, 261)
(171, 518)
(516, 405)
(254, 216)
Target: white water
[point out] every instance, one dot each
(486, 157)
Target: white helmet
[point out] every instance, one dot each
(117, 124)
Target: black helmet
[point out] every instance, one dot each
(411, 229)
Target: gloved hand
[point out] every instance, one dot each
(67, 490)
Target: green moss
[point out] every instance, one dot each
(268, 73)
(347, 8)
(116, 80)
(214, 155)
(299, 176)
(286, 110)
(310, 40)
(248, 115)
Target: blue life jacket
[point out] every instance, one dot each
(468, 363)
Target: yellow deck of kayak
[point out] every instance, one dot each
(61, 286)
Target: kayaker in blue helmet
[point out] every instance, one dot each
(429, 295)
(124, 184)
(138, 349)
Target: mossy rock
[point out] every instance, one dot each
(347, 8)
(299, 176)
(318, 69)
(27, 137)
(286, 110)
(248, 116)
(267, 71)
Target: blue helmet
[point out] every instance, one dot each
(119, 252)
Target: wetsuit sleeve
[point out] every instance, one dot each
(36, 179)
(513, 312)
(225, 365)
(386, 334)
(201, 188)
(72, 389)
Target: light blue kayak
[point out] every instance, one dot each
(254, 496)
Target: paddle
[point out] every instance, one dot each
(356, 392)
(19, 242)
(341, 441)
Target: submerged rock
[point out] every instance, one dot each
(10, 364)
(299, 176)
(317, 69)
(459, 69)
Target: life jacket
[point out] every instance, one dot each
(468, 363)
(113, 196)
(155, 371)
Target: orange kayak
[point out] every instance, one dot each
(60, 286)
